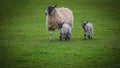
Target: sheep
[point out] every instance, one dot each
(54, 15)
(88, 28)
(65, 31)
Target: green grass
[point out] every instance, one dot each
(24, 40)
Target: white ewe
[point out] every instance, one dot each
(88, 28)
(55, 15)
(65, 31)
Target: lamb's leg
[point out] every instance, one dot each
(92, 33)
(68, 36)
(89, 34)
(51, 35)
(60, 36)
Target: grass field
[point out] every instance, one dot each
(24, 40)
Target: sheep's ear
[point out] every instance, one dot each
(83, 20)
(86, 21)
(55, 6)
(63, 22)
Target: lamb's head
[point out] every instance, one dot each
(50, 9)
(60, 24)
(84, 23)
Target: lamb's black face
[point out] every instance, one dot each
(49, 10)
(60, 25)
(83, 25)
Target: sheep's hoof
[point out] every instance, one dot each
(68, 38)
(61, 38)
(88, 37)
(65, 38)
(84, 38)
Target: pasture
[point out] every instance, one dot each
(24, 40)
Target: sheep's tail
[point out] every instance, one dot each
(92, 32)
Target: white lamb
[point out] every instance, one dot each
(55, 15)
(88, 29)
(65, 31)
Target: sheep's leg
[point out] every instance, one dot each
(85, 35)
(67, 36)
(61, 36)
(89, 34)
(51, 35)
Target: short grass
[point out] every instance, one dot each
(24, 40)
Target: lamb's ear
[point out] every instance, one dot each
(83, 20)
(63, 22)
(86, 21)
(55, 6)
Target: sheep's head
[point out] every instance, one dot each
(84, 23)
(60, 24)
(50, 9)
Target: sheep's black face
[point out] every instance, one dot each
(83, 25)
(49, 10)
(60, 25)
